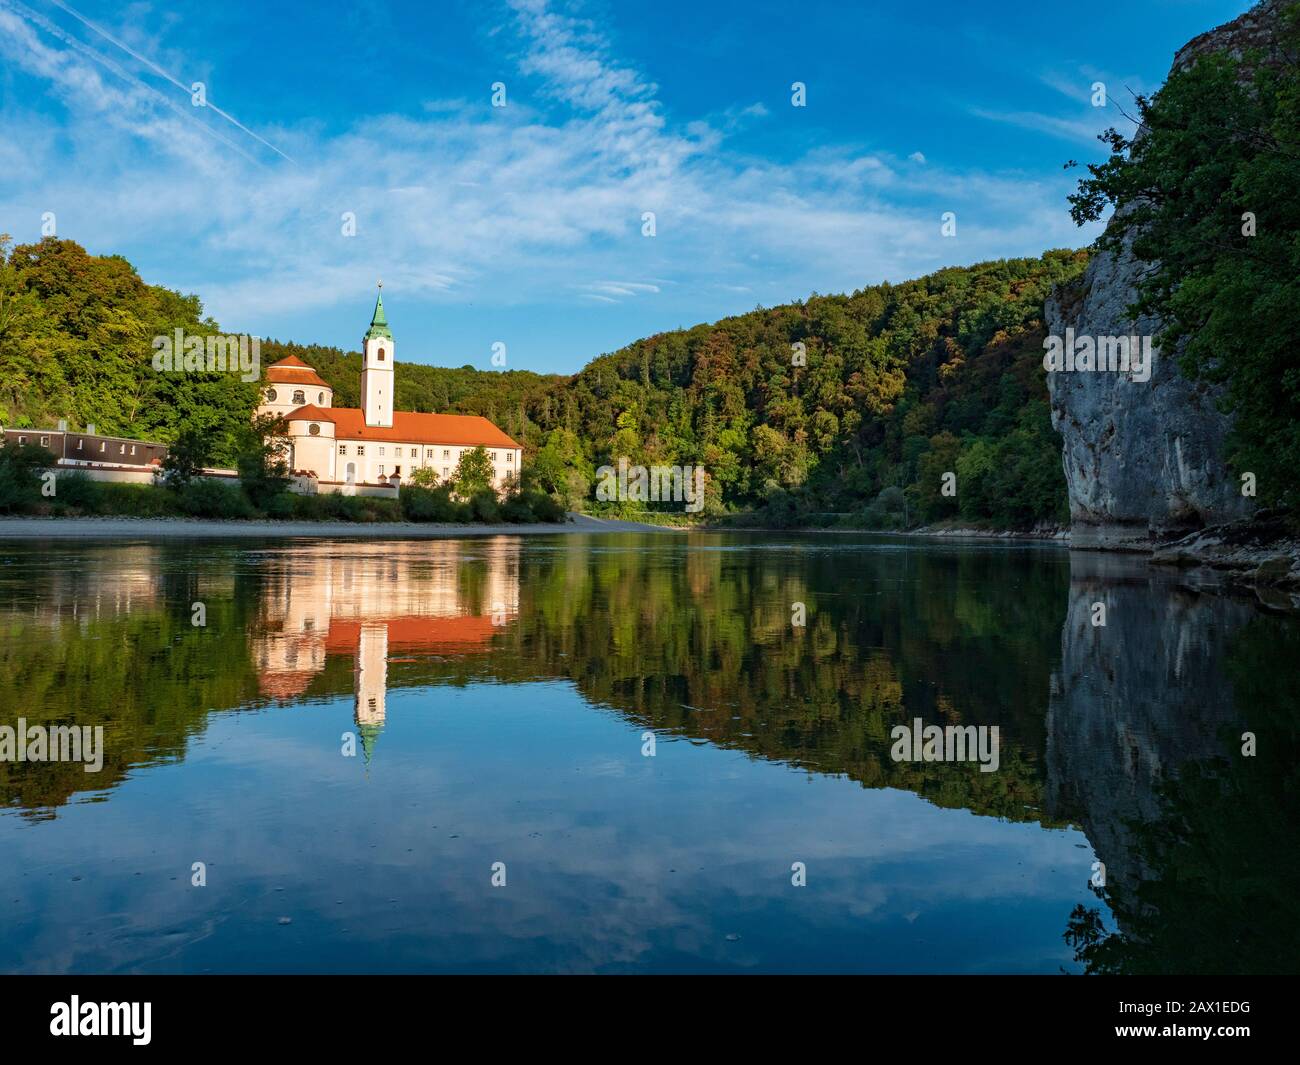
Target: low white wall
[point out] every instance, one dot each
(153, 475)
(114, 474)
(381, 491)
(134, 474)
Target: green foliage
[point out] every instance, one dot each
(473, 473)
(187, 455)
(484, 507)
(428, 504)
(280, 507)
(515, 508)
(76, 342)
(882, 373)
(135, 500)
(263, 471)
(544, 508)
(1222, 139)
(885, 371)
(212, 499)
(561, 468)
(424, 477)
(76, 494)
(333, 507)
(20, 476)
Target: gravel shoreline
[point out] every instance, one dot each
(118, 528)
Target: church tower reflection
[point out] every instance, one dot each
(369, 602)
(370, 684)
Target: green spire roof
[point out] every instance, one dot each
(369, 736)
(378, 324)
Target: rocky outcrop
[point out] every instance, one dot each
(1143, 460)
(1263, 553)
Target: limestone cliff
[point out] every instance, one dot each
(1143, 459)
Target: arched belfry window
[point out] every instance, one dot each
(381, 354)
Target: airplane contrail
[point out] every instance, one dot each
(164, 74)
(41, 22)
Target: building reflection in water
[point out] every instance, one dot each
(375, 602)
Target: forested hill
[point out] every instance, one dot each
(834, 404)
(899, 384)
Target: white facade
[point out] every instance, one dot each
(377, 381)
(284, 397)
(370, 462)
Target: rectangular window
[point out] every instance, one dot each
(343, 449)
(78, 443)
(102, 446)
(446, 453)
(428, 452)
(510, 456)
(415, 452)
(445, 471)
(45, 441)
(22, 440)
(132, 449)
(361, 449)
(381, 450)
(494, 456)
(381, 470)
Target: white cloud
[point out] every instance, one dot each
(498, 206)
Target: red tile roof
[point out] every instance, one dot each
(292, 375)
(413, 633)
(284, 686)
(311, 413)
(458, 430)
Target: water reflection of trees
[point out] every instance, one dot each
(685, 638)
(1131, 731)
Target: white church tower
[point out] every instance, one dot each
(377, 369)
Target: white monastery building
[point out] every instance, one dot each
(375, 445)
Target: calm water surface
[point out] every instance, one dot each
(361, 730)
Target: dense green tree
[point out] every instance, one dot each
(473, 473)
(187, 456)
(263, 470)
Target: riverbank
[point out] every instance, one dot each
(1263, 551)
(1053, 534)
(118, 528)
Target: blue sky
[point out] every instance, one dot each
(523, 224)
